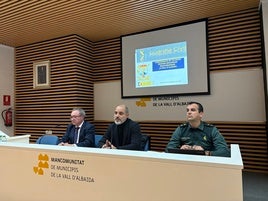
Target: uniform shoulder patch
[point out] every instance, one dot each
(183, 125)
(209, 125)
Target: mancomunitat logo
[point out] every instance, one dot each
(42, 164)
(142, 102)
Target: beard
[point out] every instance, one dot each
(118, 121)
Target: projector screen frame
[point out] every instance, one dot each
(205, 91)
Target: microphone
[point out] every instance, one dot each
(49, 131)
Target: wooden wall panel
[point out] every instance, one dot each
(37, 110)
(234, 42)
(107, 60)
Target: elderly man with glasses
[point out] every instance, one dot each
(80, 132)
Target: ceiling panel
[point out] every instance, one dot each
(28, 21)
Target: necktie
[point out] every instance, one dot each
(76, 134)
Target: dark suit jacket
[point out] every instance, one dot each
(86, 136)
(131, 136)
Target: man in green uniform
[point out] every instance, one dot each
(198, 135)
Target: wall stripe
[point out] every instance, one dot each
(37, 110)
(234, 42)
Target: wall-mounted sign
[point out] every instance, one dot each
(6, 100)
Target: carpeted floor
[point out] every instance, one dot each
(255, 186)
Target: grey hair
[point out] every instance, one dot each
(126, 108)
(81, 111)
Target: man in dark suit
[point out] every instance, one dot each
(80, 132)
(123, 133)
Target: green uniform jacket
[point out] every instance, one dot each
(206, 136)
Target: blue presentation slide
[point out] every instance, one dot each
(163, 65)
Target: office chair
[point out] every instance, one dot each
(145, 142)
(48, 139)
(97, 139)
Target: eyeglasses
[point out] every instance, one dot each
(74, 117)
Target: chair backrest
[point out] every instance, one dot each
(97, 139)
(48, 139)
(145, 142)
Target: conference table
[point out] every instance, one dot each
(36, 172)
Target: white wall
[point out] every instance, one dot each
(7, 79)
(264, 5)
(236, 95)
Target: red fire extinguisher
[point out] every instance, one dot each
(7, 117)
